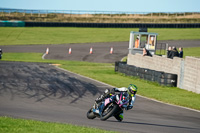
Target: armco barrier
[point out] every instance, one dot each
(166, 79)
(113, 25)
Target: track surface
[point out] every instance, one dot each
(80, 52)
(43, 92)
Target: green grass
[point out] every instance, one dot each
(105, 72)
(10, 125)
(64, 35)
(191, 52)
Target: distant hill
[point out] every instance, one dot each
(97, 16)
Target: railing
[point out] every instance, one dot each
(161, 48)
(98, 16)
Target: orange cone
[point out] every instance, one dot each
(47, 51)
(70, 50)
(111, 50)
(91, 50)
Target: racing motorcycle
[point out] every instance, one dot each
(112, 106)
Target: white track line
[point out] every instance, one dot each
(137, 94)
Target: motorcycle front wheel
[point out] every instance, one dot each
(109, 111)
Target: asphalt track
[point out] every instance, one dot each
(43, 92)
(80, 52)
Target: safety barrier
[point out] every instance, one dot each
(12, 23)
(166, 79)
(113, 25)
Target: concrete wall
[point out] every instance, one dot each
(192, 74)
(188, 70)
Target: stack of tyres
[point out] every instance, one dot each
(122, 68)
(170, 79)
(130, 70)
(159, 77)
(148, 74)
(134, 71)
(116, 66)
(141, 73)
(166, 79)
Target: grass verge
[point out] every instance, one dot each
(64, 35)
(105, 72)
(10, 125)
(191, 52)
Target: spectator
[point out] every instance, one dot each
(146, 52)
(173, 53)
(169, 52)
(180, 52)
(137, 42)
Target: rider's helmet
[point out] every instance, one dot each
(132, 89)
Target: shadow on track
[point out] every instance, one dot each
(42, 82)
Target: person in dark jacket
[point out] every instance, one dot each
(169, 52)
(181, 52)
(173, 53)
(146, 52)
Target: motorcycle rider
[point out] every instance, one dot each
(130, 91)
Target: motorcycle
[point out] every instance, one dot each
(112, 106)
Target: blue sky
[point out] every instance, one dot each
(106, 5)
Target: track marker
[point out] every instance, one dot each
(91, 50)
(47, 51)
(70, 50)
(111, 50)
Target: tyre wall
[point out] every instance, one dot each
(166, 79)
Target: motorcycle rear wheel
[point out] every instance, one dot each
(90, 114)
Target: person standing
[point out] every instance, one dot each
(173, 53)
(146, 52)
(180, 52)
(169, 52)
(137, 42)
